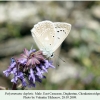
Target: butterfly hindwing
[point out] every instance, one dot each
(62, 31)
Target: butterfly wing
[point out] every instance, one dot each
(43, 34)
(38, 43)
(62, 31)
(49, 36)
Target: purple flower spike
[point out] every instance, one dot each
(6, 72)
(38, 79)
(31, 84)
(22, 61)
(30, 66)
(14, 80)
(21, 77)
(14, 71)
(39, 72)
(31, 76)
(24, 84)
(48, 64)
(10, 68)
(43, 67)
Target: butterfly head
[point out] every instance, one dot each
(47, 52)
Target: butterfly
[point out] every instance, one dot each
(50, 35)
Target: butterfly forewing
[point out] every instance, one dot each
(44, 32)
(38, 43)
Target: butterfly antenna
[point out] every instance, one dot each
(61, 59)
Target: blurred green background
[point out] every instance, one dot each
(80, 50)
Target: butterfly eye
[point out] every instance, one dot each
(53, 36)
(52, 55)
(57, 31)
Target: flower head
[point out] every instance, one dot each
(30, 66)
